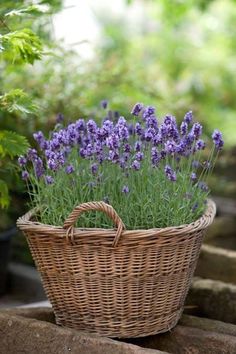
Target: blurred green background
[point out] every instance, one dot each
(173, 54)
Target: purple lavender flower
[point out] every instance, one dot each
(91, 126)
(169, 120)
(113, 141)
(59, 118)
(131, 129)
(123, 132)
(137, 109)
(188, 117)
(170, 147)
(217, 139)
(194, 207)
(127, 148)
(163, 131)
(193, 176)
(25, 175)
(113, 156)
(148, 112)
(195, 164)
(122, 163)
(149, 134)
(155, 156)
(32, 154)
(69, 169)
(181, 148)
(203, 186)
(170, 173)
(39, 137)
(189, 139)
(137, 146)
(49, 179)
(138, 129)
(126, 156)
(108, 126)
(139, 156)
(151, 122)
(162, 154)
(89, 150)
(200, 144)
(54, 144)
(183, 128)
(49, 154)
(94, 168)
(104, 104)
(80, 124)
(38, 167)
(197, 130)
(22, 161)
(135, 165)
(125, 189)
(157, 139)
(52, 164)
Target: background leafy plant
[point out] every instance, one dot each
(19, 45)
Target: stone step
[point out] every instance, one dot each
(34, 331)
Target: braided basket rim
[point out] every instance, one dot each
(26, 224)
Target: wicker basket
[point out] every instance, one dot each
(116, 283)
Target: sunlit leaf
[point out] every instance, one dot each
(32, 10)
(12, 144)
(23, 44)
(17, 100)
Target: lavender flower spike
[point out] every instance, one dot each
(170, 174)
(135, 165)
(125, 189)
(197, 130)
(22, 161)
(217, 139)
(69, 169)
(200, 145)
(137, 109)
(148, 112)
(94, 168)
(104, 104)
(25, 175)
(188, 117)
(49, 179)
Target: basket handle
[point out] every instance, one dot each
(99, 206)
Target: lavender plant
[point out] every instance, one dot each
(154, 173)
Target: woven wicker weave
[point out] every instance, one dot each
(116, 283)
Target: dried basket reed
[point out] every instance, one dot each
(116, 282)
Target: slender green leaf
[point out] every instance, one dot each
(4, 196)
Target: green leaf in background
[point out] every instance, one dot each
(17, 100)
(22, 44)
(31, 10)
(4, 197)
(12, 144)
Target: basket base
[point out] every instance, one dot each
(121, 329)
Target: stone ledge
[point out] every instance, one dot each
(32, 331)
(213, 299)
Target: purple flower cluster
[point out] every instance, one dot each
(119, 142)
(217, 139)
